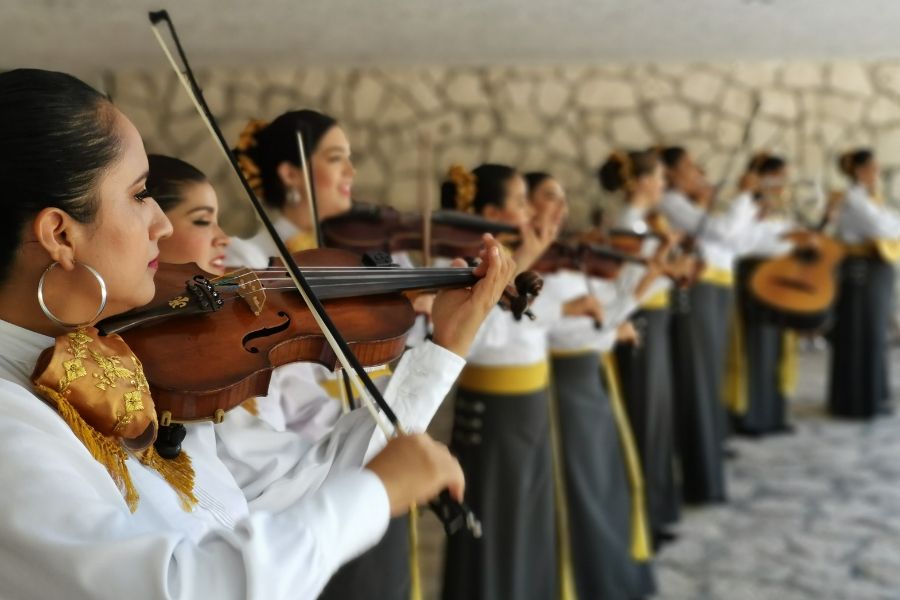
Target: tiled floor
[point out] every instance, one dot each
(812, 515)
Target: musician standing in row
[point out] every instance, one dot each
(860, 381)
(700, 313)
(641, 177)
(759, 374)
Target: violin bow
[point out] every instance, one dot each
(454, 515)
(729, 166)
(310, 191)
(425, 187)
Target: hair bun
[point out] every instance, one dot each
(617, 172)
(244, 150)
(466, 184)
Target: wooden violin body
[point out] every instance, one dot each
(799, 288)
(209, 343)
(595, 260)
(199, 367)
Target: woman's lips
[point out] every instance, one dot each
(153, 264)
(218, 262)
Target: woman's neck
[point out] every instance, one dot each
(19, 304)
(298, 215)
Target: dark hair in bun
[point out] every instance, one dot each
(535, 178)
(262, 147)
(622, 169)
(672, 155)
(850, 161)
(167, 179)
(490, 181)
(764, 163)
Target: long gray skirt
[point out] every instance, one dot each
(699, 335)
(503, 445)
(645, 372)
(597, 489)
(859, 385)
(762, 342)
(380, 572)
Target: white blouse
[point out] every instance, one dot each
(720, 235)
(67, 532)
(861, 219)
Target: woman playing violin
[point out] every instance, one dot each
(639, 178)
(81, 243)
(500, 431)
(860, 379)
(600, 503)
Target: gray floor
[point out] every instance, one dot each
(812, 515)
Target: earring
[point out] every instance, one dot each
(49, 314)
(292, 196)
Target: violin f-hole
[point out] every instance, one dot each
(265, 332)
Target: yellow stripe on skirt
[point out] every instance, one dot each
(567, 589)
(640, 532)
(734, 384)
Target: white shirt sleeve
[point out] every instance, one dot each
(862, 220)
(765, 238)
(722, 228)
(67, 532)
(275, 468)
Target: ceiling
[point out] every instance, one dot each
(86, 35)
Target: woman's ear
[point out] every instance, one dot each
(290, 175)
(54, 230)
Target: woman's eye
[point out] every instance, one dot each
(203, 223)
(142, 195)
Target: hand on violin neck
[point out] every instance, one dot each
(458, 314)
(414, 469)
(584, 306)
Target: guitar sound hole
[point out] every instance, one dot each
(807, 255)
(265, 332)
(800, 286)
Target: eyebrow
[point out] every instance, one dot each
(208, 209)
(143, 177)
(335, 148)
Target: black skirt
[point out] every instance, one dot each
(645, 372)
(859, 386)
(380, 572)
(503, 445)
(699, 332)
(598, 496)
(760, 404)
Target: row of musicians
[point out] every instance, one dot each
(217, 523)
(522, 460)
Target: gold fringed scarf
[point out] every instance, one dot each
(98, 387)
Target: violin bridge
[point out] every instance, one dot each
(250, 288)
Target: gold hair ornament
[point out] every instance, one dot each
(466, 184)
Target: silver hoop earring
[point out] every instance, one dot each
(292, 196)
(49, 314)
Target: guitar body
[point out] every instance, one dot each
(799, 288)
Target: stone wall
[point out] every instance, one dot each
(561, 119)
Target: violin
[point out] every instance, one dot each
(248, 322)
(595, 260)
(368, 227)
(454, 515)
